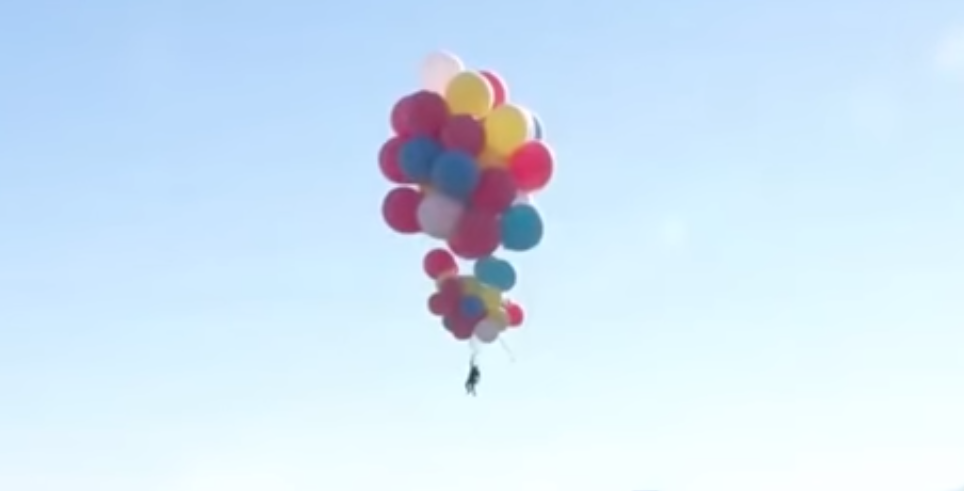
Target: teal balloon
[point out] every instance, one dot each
(538, 132)
(495, 272)
(521, 227)
(416, 156)
(455, 174)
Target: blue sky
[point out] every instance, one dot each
(751, 277)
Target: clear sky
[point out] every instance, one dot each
(752, 277)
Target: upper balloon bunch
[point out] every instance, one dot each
(466, 161)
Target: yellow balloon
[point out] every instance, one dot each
(501, 318)
(470, 285)
(491, 297)
(488, 158)
(469, 93)
(506, 127)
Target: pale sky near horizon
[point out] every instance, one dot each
(752, 276)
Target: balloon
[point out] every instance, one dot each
(437, 304)
(488, 158)
(388, 161)
(521, 228)
(538, 132)
(500, 317)
(416, 156)
(427, 112)
(515, 313)
(461, 327)
(471, 285)
(438, 262)
(469, 93)
(531, 165)
(399, 118)
(500, 93)
(495, 192)
(496, 272)
(477, 235)
(491, 297)
(451, 289)
(438, 68)
(438, 215)
(398, 209)
(455, 174)
(506, 127)
(463, 132)
(471, 306)
(487, 331)
(523, 199)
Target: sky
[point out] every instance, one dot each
(750, 279)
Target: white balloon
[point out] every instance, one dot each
(523, 199)
(487, 331)
(438, 69)
(438, 215)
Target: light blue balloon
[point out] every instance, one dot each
(495, 272)
(416, 156)
(472, 306)
(455, 174)
(537, 130)
(521, 227)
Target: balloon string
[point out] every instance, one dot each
(508, 351)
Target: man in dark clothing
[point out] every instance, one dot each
(473, 379)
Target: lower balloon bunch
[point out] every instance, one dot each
(466, 162)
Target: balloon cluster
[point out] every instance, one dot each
(466, 161)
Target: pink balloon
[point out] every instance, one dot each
(463, 132)
(460, 327)
(399, 118)
(388, 160)
(437, 305)
(514, 312)
(495, 192)
(438, 262)
(451, 288)
(531, 165)
(426, 114)
(477, 235)
(398, 210)
(499, 88)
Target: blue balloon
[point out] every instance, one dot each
(472, 306)
(416, 156)
(537, 127)
(495, 272)
(455, 174)
(521, 227)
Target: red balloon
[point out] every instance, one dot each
(437, 305)
(427, 113)
(531, 165)
(515, 313)
(460, 327)
(399, 117)
(498, 87)
(388, 160)
(477, 235)
(451, 288)
(463, 132)
(399, 210)
(495, 192)
(438, 262)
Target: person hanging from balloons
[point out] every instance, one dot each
(464, 161)
(473, 378)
